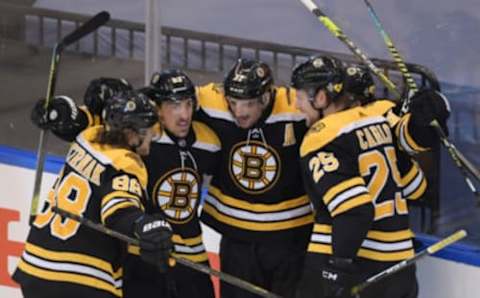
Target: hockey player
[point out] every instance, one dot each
(350, 172)
(104, 180)
(359, 83)
(175, 185)
(257, 201)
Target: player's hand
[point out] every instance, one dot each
(427, 105)
(155, 235)
(338, 277)
(60, 115)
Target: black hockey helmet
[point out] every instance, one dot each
(320, 72)
(359, 83)
(129, 110)
(102, 89)
(170, 85)
(248, 79)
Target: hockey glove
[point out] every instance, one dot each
(62, 114)
(155, 235)
(427, 105)
(338, 277)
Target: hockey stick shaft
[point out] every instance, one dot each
(405, 263)
(412, 85)
(240, 283)
(88, 27)
(336, 31)
(459, 159)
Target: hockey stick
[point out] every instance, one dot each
(88, 27)
(459, 159)
(395, 55)
(338, 33)
(405, 263)
(233, 280)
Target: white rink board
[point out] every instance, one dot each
(438, 278)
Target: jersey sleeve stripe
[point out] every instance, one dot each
(413, 190)
(419, 192)
(406, 140)
(341, 187)
(321, 228)
(352, 203)
(390, 236)
(320, 248)
(121, 205)
(384, 256)
(346, 195)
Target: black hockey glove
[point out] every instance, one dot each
(155, 235)
(338, 278)
(427, 105)
(62, 114)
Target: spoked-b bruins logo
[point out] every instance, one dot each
(254, 166)
(177, 193)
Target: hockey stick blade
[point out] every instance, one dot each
(405, 263)
(233, 280)
(91, 25)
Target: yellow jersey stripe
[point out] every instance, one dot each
(385, 256)
(198, 258)
(188, 241)
(113, 209)
(256, 226)
(419, 192)
(352, 203)
(321, 228)
(390, 236)
(320, 248)
(412, 173)
(285, 205)
(407, 137)
(118, 194)
(68, 257)
(341, 187)
(68, 277)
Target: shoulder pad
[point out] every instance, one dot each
(119, 158)
(379, 107)
(284, 108)
(333, 126)
(211, 97)
(206, 138)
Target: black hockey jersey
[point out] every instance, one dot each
(413, 179)
(101, 183)
(176, 168)
(348, 161)
(257, 194)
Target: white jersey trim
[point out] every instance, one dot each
(263, 217)
(206, 146)
(189, 249)
(361, 123)
(69, 267)
(285, 117)
(99, 156)
(219, 114)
